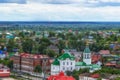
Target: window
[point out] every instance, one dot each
(63, 63)
(63, 68)
(87, 56)
(71, 63)
(67, 68)
(71, 68)
(67, 63)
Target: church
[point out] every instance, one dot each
(67, 62)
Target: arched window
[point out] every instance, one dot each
(88, 56)
(63, 63)
(84, 56)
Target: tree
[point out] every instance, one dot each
(45, 40)
(21, 34)
(10, 64)
(99, 78)
(69, 73)
(51, 34)
(38, 69)
(35, 48)
(118, 78)
(50, 53)
(42, 47)
(85, 70)
(27, 45)
(11, 45)
(7, 62)
(75, 74)
(61, 45)
(61, 35)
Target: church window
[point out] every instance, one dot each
(67, 68)
(63, 63)
(87, 56)
(67, 63)
(71, 68)
(63, 68)
(71, 63)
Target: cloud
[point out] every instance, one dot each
(13, 1)
(48, 12)
(60, 10)
(57, 1)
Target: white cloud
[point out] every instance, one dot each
(57, 12)
(115, 1)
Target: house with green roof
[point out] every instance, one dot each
(66, 62)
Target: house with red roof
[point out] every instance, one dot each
(96, 58)
(109, 64)
(60, 76)
(95, 76)
(26, 62)
(104, 52)
(4, 71)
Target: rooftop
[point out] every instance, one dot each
(65, 56)
(56, 62)
(87, 50)
(80, 64)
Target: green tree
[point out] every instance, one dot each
(118, 78)
(75, 74)
(45, 41)
(38, 69)
(61, 45)
(51, 53)
(27, 45)
(69, 73)
(11, 45)
(42, 47)
(21, 34)
(51, 34)
(10, 64)
(99, 79)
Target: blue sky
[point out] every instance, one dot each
(59, 10)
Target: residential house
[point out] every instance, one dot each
(26, 63)
(54, 40)
(54, 48)
(104, 52)
(96, 58)
(4, 71)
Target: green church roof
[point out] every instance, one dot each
(95, 66)
(56, 62)
(87, 50)
(65, 56)
(80, 64)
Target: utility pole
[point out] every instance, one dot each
(44, 68)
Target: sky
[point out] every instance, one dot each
(60, 10)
